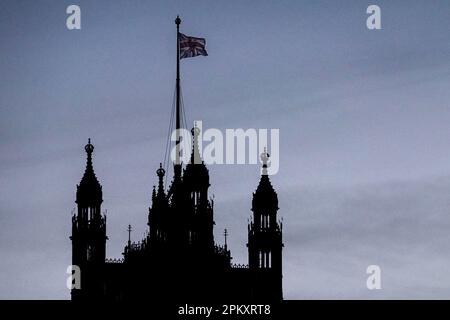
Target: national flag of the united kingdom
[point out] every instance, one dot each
(191, 46)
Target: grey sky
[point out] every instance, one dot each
(363, 116)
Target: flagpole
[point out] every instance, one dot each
(178, 124)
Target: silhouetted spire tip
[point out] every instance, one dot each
(195, 130)
(264, 159)
(160, 172)
(89, 147)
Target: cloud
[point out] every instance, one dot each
(333, 234)
(353, 106)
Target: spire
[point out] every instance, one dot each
(264, 158)
(265, 195)
(225, 235)
(129, 229)
(161, 172)
(196, 174)
(89, 191)
(159, 197)
(153, 194)
(89, 175)
(195, 155)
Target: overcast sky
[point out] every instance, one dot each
(364, 131)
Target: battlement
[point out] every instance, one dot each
(107, 260)
(239, 266)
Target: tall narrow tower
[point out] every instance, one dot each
(265, 240)
(157, 218)
(196, 184)
(89, 233)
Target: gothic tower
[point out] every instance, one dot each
(157, 218)
(265, 240)
(196, 185)
(89, 233)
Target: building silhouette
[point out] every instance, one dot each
(179, 258)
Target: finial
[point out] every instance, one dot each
(160, 172)
(195, 130)
(177, 20)
(195, 156)
(225, 234)
(264, 159)
(129, 234)
(89, 147)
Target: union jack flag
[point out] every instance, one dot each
(191, 46)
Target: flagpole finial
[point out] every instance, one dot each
(177, 20)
